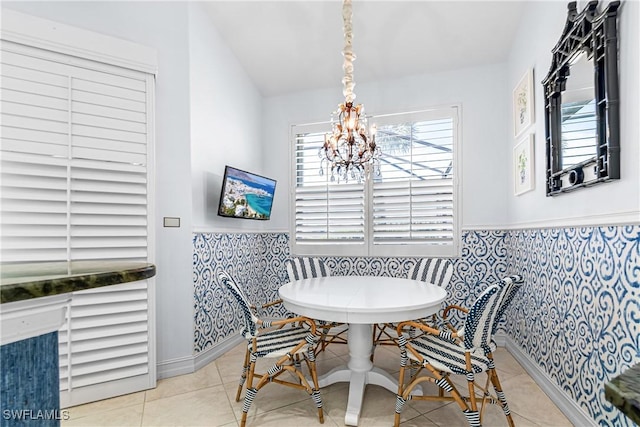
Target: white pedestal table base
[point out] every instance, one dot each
(359, 371)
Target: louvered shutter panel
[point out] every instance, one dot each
(326, 212)
(413, 199)
(34, 162)
(108, 168)
(75, 186)
(109, 328)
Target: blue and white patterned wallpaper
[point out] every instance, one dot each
(257, 262)
(245, 258)
(578, 314)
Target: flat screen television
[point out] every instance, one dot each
(246, 195)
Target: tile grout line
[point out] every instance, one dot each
(228, 398)
(144, 406)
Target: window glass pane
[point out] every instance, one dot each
(416, 151)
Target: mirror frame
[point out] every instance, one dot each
(596, 35)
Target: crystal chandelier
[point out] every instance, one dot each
(350, 148)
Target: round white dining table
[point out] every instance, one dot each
(361, 301)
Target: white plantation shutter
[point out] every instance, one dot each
(109, 337)
(75, 174)
(414, 199)
(325, 212)
(410, 210)
(413, 211)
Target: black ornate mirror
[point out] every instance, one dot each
(582, 118)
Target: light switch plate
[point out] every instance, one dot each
(170, 221)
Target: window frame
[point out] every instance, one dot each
(369, 248)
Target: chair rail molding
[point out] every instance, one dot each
(596, 220)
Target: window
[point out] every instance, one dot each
(411, 209)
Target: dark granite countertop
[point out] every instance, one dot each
(624, 392)
(33, 280)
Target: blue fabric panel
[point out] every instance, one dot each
(29, 388)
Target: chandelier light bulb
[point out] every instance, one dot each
(351, 123)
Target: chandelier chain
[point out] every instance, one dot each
(347, 52)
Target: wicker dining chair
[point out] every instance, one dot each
(299, 268)
(518, 281)
(304, 268)
(443, 353)
(430, 270)
(287, 341)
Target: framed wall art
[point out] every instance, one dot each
(523, 165)
(523, 112)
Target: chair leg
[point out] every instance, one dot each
(315, 395)
(399, 405)
(243, 377)
(251, 392)
(400, 401)
(501, 397)
(248, 400)
(473, 415)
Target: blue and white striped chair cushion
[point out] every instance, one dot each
(432, 270)
(305, 267)
(446, 355)
(280, 342)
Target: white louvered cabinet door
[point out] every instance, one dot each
(76, 172)
(105, 342)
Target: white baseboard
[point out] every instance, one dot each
(174, 367)
(189, 364)
(568, 406)
(501, 339)
(212, 353)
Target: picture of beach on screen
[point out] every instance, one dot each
(246, 195)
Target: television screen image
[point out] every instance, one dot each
(246, 195)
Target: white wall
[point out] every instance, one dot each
(226, 113)
(479, 90)
(613, 202)
(163, 26)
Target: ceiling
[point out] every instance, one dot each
(290, 46)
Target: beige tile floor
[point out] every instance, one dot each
(207, 398)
